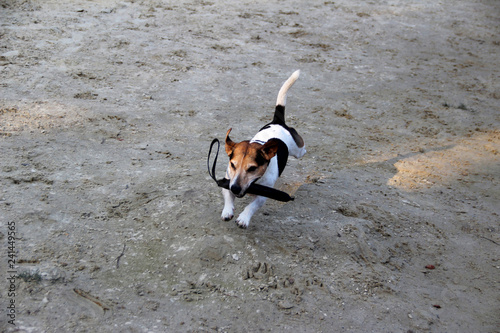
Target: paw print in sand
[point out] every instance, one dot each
(259, 271)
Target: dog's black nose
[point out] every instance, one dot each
(236, 189)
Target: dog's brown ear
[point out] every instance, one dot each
(229, 143)
(270, 148)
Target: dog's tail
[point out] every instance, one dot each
(279, 113)
(287, 85)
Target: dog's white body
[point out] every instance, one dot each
(279, 132)
(267, 176)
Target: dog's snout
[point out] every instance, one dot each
(236, 189)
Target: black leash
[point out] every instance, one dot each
(256, 189)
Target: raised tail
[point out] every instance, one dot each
(281, 100)
(279, 112)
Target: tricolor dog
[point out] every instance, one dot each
(260, 160)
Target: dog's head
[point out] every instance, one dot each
(247, 162)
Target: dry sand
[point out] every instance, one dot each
(107, 109)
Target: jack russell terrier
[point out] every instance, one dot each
(260, 160)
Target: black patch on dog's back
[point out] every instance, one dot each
(279, 115)
(279, 119)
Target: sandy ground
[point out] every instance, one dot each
(107, 110)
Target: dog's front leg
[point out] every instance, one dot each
(227, 212)
(246, 215)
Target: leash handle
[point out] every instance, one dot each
(256, 189)
(212, 174)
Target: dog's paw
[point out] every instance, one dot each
(242, 223)
(226, 215)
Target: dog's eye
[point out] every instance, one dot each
(232, 165)
(252, 169)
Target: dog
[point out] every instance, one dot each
(260, 160)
